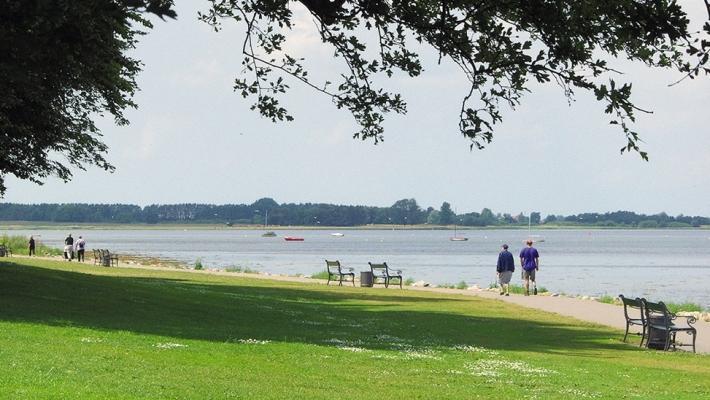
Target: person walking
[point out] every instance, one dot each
(69, 248)
(80, 246)
(505, 269)
(529, 260)
(31, 246)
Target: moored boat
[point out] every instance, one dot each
(293, 239)
(458, 239)
(269, 234)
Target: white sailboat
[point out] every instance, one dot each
(456, 237)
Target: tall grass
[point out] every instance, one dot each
(686, 306)
(320, 275)
(519, 289)
(20, 245)
(244, 270)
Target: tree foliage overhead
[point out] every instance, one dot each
(501, 46)
(62, 64)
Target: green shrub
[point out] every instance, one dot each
(446, 286)
(462, 285)
(409, 282)
(244, 270)
(687, 306)
(320, 275)
(20, 245)
(608, 299)
(518, 289)
(198, 264)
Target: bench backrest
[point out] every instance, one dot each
(379, 269)
(657, 313)
(634, 305)
(333, 266)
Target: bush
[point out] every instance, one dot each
(518, 289)
(687, 306)
(320, 275)
(608, 299)
(462, 285)
(20, 244)
(409, 282)
(198, 265)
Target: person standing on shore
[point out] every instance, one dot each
(69, 248)
(31, 246)
(505, 269)
(529, 260)
(80, 246)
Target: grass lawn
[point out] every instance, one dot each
(70, 331)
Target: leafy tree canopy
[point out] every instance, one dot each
(64, 62)
(501, 46)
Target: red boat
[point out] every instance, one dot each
(293, 239)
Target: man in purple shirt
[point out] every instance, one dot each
(529, 260)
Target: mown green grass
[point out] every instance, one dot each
(78, 331)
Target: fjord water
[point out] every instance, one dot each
(670, 265)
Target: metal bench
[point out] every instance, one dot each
(662, 329)
(634, 306)
(382, 273)
(111, 257)
(5, 251)
(97, 256)
(335, 271)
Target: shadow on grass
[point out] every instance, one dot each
(195, 309)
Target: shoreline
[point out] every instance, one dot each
(163, 264)
(48, 225)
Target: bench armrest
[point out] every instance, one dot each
(689, 319)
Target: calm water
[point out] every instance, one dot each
(663, 264)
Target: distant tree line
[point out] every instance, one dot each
(403, 212)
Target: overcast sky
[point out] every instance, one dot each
(193, 139)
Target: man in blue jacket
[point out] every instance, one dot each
(529, 260)
(505, 269)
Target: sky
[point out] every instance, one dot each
(194, 140)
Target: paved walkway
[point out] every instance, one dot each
(584, 310)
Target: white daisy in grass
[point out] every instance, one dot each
(353, 349)
(493, 367)
(91, 340)
(169, 345)
(253, 341)
(577, 393)
(474, 349)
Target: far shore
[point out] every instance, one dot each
(46, 225)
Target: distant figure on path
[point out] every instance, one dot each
(529, 260)
(31, 246)
(69, 248)
(505, 269)
(80, 245)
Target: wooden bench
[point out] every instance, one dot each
(634, 306)
(336, 270)
(662, 329)
(382, 272)
(5, 251)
